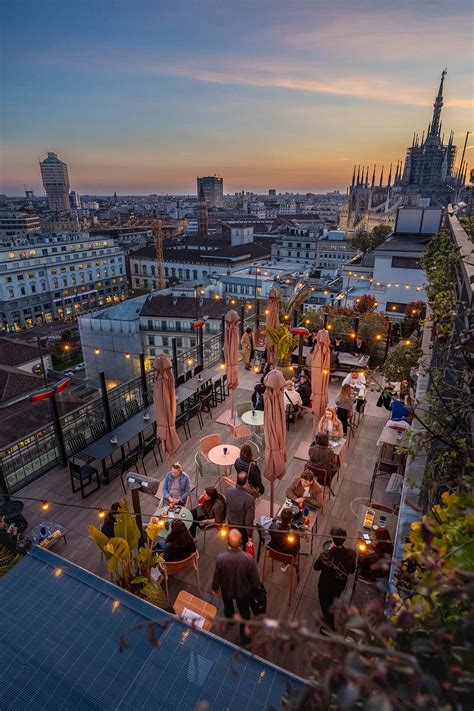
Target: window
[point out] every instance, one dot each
(22, 291)
(149, 324)
(8, 280)
(20, 277)
(151, 340)
(406, 263)
(11, 293)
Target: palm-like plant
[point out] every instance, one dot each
(7, 561)
(284, 341)
(129, 564)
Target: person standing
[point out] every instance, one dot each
(236, 578)
(246, 463)
(335, 564)
(240, 507)
(248, 348)
(176, 486)
(345, 405)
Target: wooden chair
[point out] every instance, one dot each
(287, 559)
(238, 430)
(322, 477)
(207, 443)
(171, 568)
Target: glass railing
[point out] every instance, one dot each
(28, 458)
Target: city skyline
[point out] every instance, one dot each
(269, 96)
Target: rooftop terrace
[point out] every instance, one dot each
(354, 481)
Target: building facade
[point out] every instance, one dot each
(57, 277)
(213, 188)
(17, 224)
(54, 175)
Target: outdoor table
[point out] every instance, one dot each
(304, 532)
(183, 514)
(359, 507)
(187, 602)
(103, 448)
(354, 361)
(46, 534)
(306, 350)
(216, 455)
(254, 418)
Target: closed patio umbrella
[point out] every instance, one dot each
(320, 364)
(164, 393)
(275, 429)
(231, 352)
(272, 321)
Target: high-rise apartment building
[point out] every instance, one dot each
(56, 182)
(213, 188)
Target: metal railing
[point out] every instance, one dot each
(30, 457)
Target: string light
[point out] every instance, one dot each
(67, 347)
(325, 371)
(267, 311)
(101, 513)
(222, 366)
(378, 337)
(329, 326)
(290, 538)
(249, 307)
(389, 285)
(189, 361)
(97, 351)
(161, 522)
(45, 505)
(127, 355)
(362, 547)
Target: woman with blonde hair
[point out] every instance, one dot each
(330, 424)
(345, 405)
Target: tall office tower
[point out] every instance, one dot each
(202, 213)
(272, 193)
(56, 182)
(213, 187)
(75, 200)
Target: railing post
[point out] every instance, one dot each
(3, 484)
(300, 352)
(325, 322)
(356, 327)
(175, 359)
(222, 334)
(387, 342)
(257, 314)
(57, 429)
(105, 401)
(143, 379)
(242, 318)
(201, 347)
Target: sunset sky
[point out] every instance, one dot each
(140, 96)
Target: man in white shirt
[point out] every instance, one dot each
(355, 379)
(292, 395)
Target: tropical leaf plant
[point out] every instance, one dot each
(284, 341)
(7, 561)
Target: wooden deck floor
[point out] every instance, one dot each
(354, 481)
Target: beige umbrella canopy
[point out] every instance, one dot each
(320, 363)
(231, 348)
(275, 429)
(272, 321)
(164, 393)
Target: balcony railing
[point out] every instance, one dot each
(28, 458)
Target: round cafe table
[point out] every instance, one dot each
(184, 515)
(254, 418)
(216, 455)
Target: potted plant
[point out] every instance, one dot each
(285, 344)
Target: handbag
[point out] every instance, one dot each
(258, 600)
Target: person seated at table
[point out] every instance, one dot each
(8, 536)
(400, 411)
(304, 389)
(338, 344)
(356, 379)
(306, 490)
(292, 397)
(376, 563)
(406, 392)
(108, 527)
(176, 485)
(330, 423)
(211, 509)
(345, 405)
(179, 543)
(246, 463)
(385, 397)
(279, 531)
(321, 455)
(257, 395)
(360, 347)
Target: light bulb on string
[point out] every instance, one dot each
(45, 505)
(101, 513)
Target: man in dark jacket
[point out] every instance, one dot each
(280, 531)
(304, 389)
(240, 508)
(236, 577)
(335, 564)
